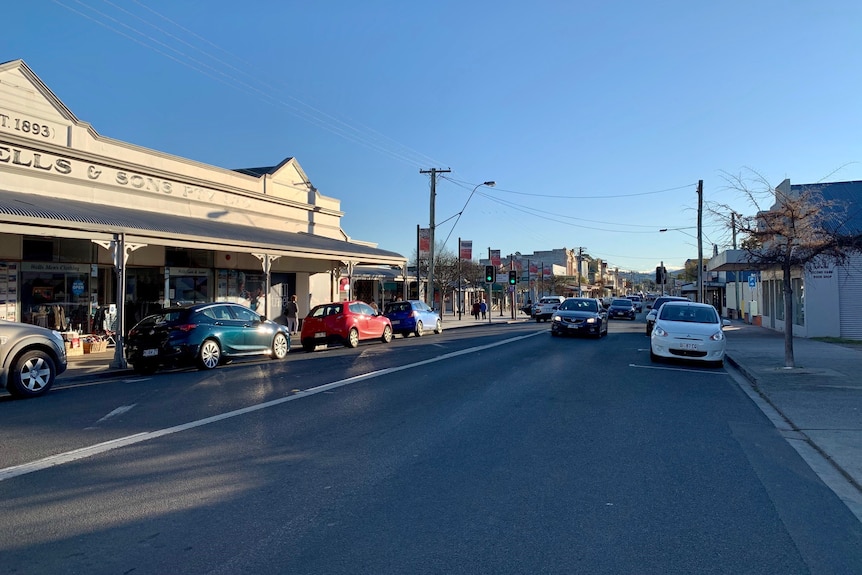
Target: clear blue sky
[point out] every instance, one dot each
(596, 119)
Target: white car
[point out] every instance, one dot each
(688, 330)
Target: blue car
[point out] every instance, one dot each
(205, 335)
(412, 316)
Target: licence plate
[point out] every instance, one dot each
(151, 352)
(320, 334)
(692, 346)
(395, 321)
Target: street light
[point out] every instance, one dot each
(698, 237)
(490, 184)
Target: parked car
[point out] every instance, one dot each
(412, 316)
(688, 330)
(347, 322)
(206, 335)
(580, 316)
(545, 307)
(621, 307)
(638, 301)
(650, 316)
(31, 358)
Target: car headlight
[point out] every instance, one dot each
(657, 331)
(717, 336)
(591, 320)
(556, 318)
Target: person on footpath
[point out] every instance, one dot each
(475, 310)
(290, 312)
(483, 307)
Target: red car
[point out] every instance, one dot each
(347, 322)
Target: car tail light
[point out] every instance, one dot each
(184, 327)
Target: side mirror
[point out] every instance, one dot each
(725, 323)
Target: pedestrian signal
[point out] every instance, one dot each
(490, 274)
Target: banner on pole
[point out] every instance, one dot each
(495, 258)
(424, 242)
(465, 250)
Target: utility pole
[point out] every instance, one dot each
(578, 272)
(700, 296)
(433, 172)
(736, 305)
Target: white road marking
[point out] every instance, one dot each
(84, 452)
(678, 369)
(119, 411)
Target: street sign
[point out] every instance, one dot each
(752, 281)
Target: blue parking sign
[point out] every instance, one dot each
(752, 281)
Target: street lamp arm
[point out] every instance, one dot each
(489, 183)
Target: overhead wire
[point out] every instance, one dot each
(306, 112)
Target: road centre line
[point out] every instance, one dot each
(104, 447)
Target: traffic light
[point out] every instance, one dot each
(658, 275)
(490, 274)
(513, 277)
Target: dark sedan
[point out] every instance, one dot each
(622, 307)
(580, 316)
(204, 335)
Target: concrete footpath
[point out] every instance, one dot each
(817, 406)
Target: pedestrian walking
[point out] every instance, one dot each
(291, 310)
(483, 307)
(475, 310)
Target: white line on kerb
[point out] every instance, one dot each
(84, 452)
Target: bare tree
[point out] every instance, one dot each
(797, 230)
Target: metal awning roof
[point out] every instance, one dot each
(41, 214)
(731, 260)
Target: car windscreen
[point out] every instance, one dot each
(579, 305)
(401, 306)
(689, 314)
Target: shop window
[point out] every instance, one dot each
(58, 250)
(38, 250)
(187, 258)
(798, 301)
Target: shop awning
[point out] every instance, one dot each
(39, 215)
(731, 260)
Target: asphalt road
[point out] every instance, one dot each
(494, 449)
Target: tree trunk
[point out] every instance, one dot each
(789, 361)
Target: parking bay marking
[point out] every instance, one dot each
(89, 451)
(677, 369)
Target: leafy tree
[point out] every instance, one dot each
(797, 230)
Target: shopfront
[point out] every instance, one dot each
(87, 222)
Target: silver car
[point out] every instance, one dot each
(31, 358)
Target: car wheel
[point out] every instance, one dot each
(554, 333)
(718, 364)
(387, 334)
(438, 327)
(33, 374)
(653, 357)
(353, 337)
(419, 329)
(209, 355)
(308, 345)
(280, 346)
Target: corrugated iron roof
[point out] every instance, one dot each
(44, 211)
